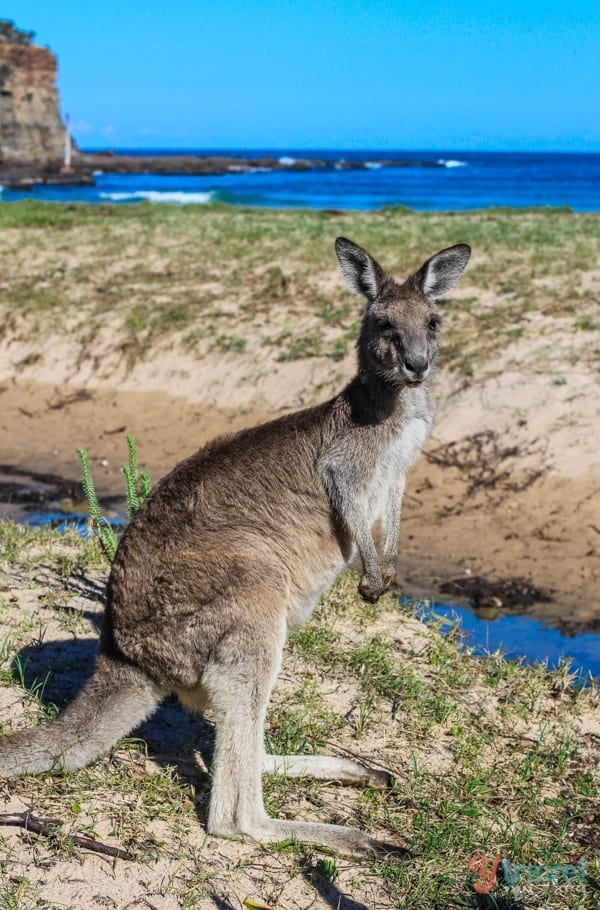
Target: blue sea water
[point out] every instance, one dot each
(464, 180)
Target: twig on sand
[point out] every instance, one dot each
(47, 827)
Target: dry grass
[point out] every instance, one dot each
(216, 278)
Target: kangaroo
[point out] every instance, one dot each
(233, 548)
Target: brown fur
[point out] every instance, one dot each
(233, 548)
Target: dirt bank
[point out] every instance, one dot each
(490, 503)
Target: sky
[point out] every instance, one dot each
(283, 74)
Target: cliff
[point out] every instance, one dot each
(32, 135)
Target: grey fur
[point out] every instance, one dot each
(234, 547)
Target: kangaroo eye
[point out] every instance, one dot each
(433, 324)
(386, 327)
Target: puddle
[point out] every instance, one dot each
(63, 521)
(518, 637)
(41, 498)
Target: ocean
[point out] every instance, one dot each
(462, 180)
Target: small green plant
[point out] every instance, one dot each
(327, 868)
(100, 526)
(587, 323)
(137, 487)
(137, 484)
(236, 343)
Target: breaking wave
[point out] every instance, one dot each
(451, 162)
(178, 197)
(247, 169)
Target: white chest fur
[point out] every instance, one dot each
(394, 462)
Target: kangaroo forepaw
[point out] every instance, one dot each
(371, 589)
(388, 571)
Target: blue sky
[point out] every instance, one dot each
(355, 74)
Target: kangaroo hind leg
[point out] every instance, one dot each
(238, 682)
(326, 767)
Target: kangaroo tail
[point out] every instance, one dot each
(115, 699)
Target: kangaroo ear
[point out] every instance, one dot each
(362, 274)
(440, 273)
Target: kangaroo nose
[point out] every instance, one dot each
(417, 365)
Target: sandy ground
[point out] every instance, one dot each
(509, 485)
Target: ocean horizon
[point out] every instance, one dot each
(429, 180)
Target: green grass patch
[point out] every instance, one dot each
(156, 271)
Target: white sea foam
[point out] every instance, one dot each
(247, 169)
(1, 187)
(160, 196)
(97, 173)
(451, 162)
(373, 165)
(286, 161)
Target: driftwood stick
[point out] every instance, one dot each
(46, 827)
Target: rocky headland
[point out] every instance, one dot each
(33, 135)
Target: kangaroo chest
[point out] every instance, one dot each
(396, 456)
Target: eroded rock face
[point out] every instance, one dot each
(31, 129)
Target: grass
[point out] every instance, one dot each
(487, 756)
(231, 280)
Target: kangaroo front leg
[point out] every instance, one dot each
(372, 584)
(350, 508)
(391, 530)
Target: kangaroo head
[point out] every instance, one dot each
(399, 339)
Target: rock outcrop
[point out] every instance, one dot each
(32, 134)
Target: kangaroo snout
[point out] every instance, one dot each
(415, 368)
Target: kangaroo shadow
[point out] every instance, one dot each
(329, 892)
(56, 671)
